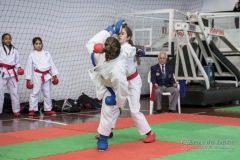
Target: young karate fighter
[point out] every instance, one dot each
(40, 71)
(134, 84)
(9, 63)
(109, 77)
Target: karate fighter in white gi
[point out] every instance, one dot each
(9, 68)
(134, 84)
(109, 77)
(40, 70)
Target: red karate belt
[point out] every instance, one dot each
(43, 74)
(132, 76)
(8, 67)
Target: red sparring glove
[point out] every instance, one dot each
(29, 84)
(98, 48)
(55, 80)
(20, 71)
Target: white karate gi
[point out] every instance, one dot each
(134, 92)
(108, 74)
(7, 77)
(41, 61)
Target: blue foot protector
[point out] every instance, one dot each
(102, 143)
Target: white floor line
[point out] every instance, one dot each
(99, 110)
(140, 110)
(89, 115)
(11, 119)
(41, 120)
(60, 113)
(79, 113)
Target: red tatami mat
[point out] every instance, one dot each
(132, 150)
(82, 128)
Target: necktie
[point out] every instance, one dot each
(163, 72)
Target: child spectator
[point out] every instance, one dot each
(40, 70)
(9, 63)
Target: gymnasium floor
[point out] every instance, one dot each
(198, 133)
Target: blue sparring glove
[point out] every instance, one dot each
(110, 100)
(111, 28)
(119, 25)
(140, 52)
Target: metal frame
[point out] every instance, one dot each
(147, 14)
(200, 33)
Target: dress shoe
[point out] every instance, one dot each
(171, 111)
(159, 111)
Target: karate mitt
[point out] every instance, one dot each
(119, 25)
(29, 84)
(98, 48)
(55, 80)
(20, 71)
(111, 28)
(140, 51)
(110, 100)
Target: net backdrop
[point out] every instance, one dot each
(65, 26)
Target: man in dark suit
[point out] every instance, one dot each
(162, 78)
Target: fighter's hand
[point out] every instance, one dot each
(111, 100)
(156, 85)
(29, 84)
(55, 80)
(175, 85)
(140, 51)
(119, 24)
(111, 29)
(98, 48)
(20, 71)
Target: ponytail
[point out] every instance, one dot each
(112, 48)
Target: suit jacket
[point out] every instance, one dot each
(158, 77)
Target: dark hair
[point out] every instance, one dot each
(35, 39)
(112, 48)
(10, 46)
(130, 34)
(6, 34)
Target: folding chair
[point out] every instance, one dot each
(163, 94)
